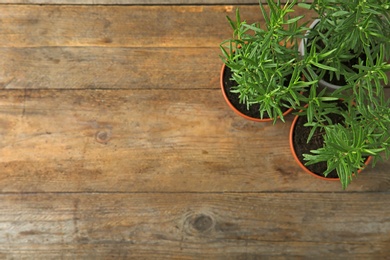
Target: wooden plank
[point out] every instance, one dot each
(119, 26)
(40, 46)
(147, 141)
(94, 67)
(109, 68)
(195, 226)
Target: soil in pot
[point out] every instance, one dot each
(234, 99)
(301, 146)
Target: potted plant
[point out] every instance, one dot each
(347, 50)
(349, 43)
(261, 76)
(345, 36)
(343, 137)
(334, 139)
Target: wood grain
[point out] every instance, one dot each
(116, 143)
(121, 26)
(195, 226)
(147, 140)
(109, 68)
(41, 45)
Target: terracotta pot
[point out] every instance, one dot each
(303, 167)
(239, 112)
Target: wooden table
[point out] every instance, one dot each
(116, 144)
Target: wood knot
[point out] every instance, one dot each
(102, 136)
(202, 223)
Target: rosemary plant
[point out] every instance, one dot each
(364, 128)
(363, 132)
(351, 42)
(265, 62)
(349, 36)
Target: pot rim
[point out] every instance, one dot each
(302, 166)
(236, 110)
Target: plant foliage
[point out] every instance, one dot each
(265, 61)
(350, 43)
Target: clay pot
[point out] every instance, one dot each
(301, 164)
(240, 109)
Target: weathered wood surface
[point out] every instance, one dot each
(116, 143)
(118, 26)
(39, 45)
(109, 68)
(147, 141)
(195, 226)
